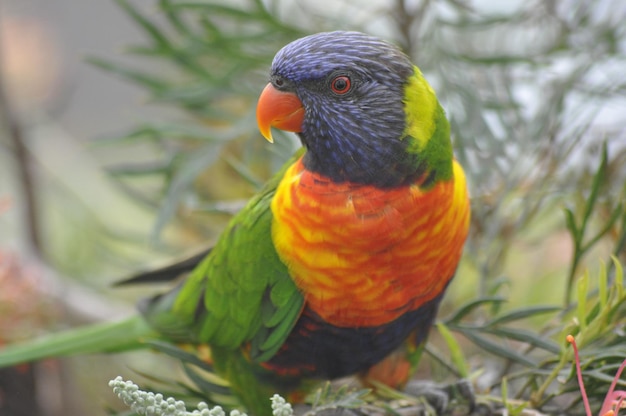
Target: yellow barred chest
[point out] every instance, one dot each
(363, 256)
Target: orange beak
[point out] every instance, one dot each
(279, 109)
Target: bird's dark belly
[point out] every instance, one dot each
(320, 350)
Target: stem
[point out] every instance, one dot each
(536, 397)
(579, 375)
(572, 273)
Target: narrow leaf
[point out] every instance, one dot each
(615, 215)
(619, 277)
(526, 336)
(456, 353)
(144, 23)
(582, 289)
(524, 313)
(181, 182)
(570, 223)
(497, 349)
(151, 82)
(470, 306)
(602, 285)
(598, 180)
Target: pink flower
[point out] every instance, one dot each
(614, 398)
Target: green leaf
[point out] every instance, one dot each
(523, 313)
(570, 223)
(619, 277)
(326, 397)
(151, 82)
(582, 293)
(494, 348)
(243, 171)
(182, 181)
(137, 169)
(456, 353)
(152, 30)
(615, 215)
(524, 335)
(603, 281)
(598, 181)
(469, 307)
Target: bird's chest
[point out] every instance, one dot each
(364, 256)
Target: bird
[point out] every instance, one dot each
(338, 265)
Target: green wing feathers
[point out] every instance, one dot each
(241, 293)
(239, 296)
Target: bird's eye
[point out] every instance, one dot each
(340, 84)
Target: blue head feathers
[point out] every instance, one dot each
(316, 55)
(352, 88)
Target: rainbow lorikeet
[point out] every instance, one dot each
(338, 265)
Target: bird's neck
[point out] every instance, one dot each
(408, 140)
(383, 168)
(427, 129)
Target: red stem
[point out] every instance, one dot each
(581, 385)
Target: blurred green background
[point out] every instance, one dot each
(128, 139)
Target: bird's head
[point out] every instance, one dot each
(361, 108)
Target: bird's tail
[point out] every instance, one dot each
(124, 335)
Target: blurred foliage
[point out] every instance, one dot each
(210, 59)
(535, 94)
(22, 306)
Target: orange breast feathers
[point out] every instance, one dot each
(363, 256)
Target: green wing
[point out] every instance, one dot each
(241, 292)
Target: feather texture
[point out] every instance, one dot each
(343, 257)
